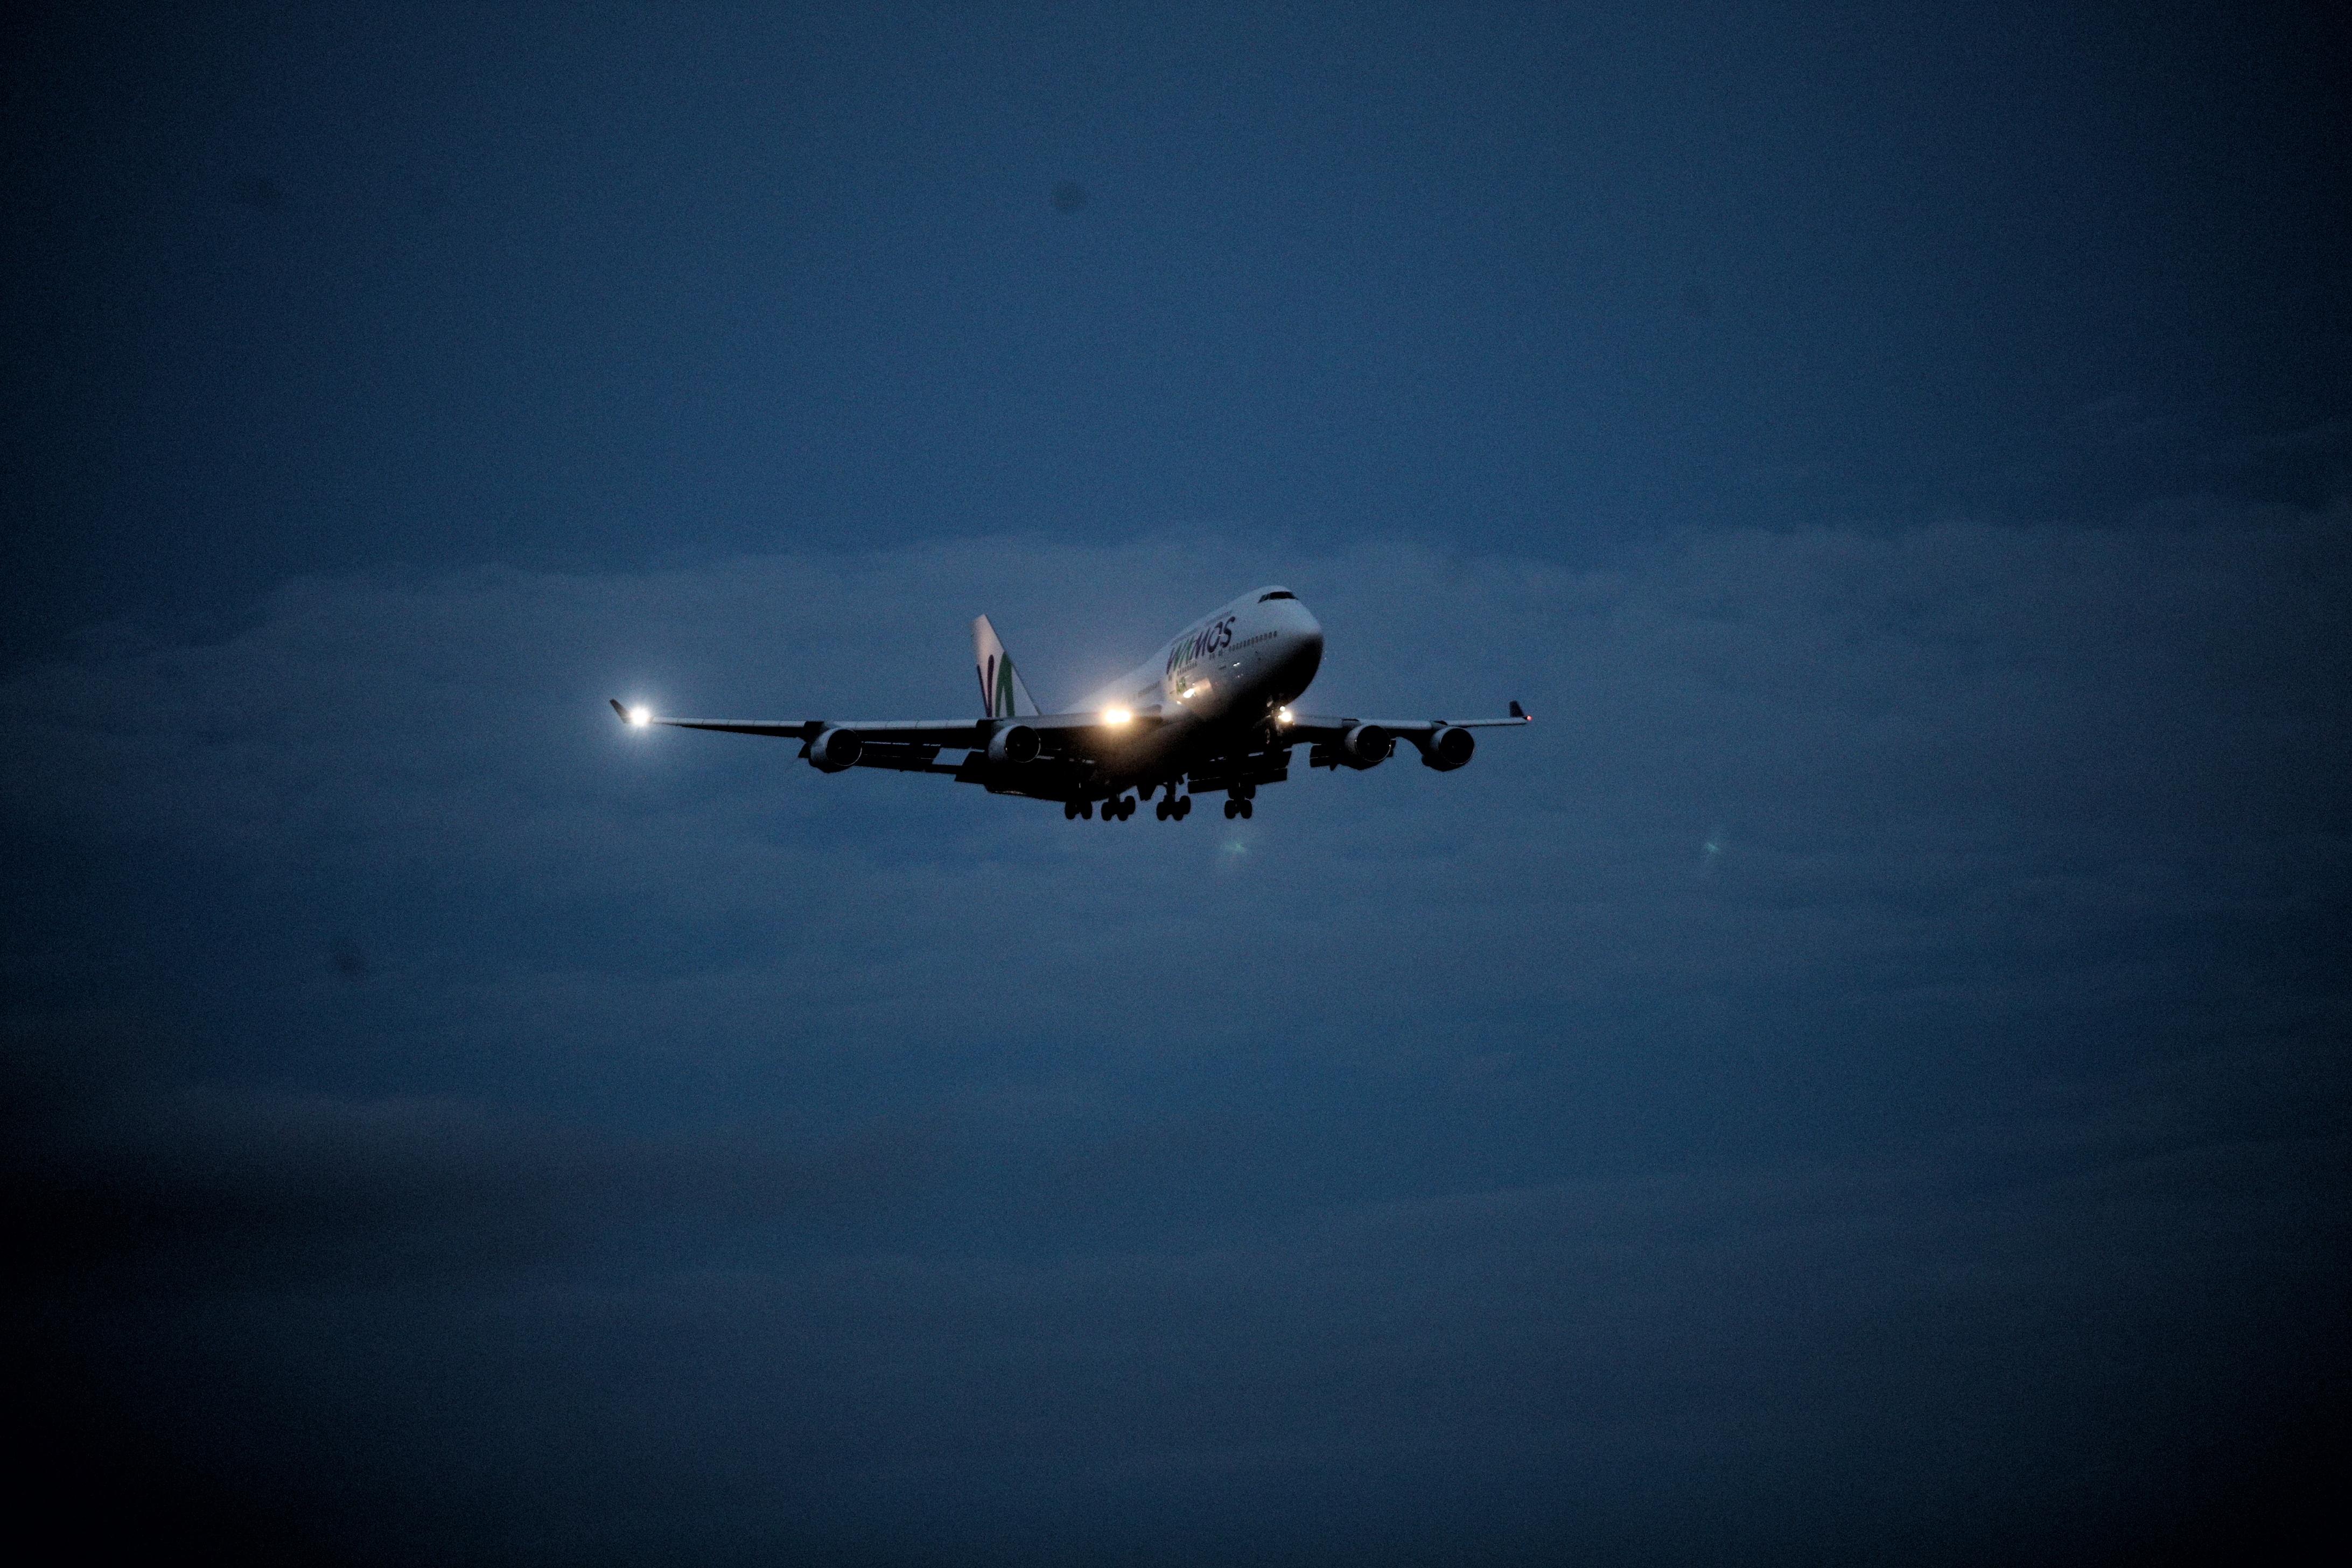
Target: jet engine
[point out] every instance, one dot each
(834, 751)
(1013, 744)
(1366, 746)
(1448, 749)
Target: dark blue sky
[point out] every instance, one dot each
(1864, 1077)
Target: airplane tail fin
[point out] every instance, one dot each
(1001, 693)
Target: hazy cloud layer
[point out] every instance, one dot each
(1871, 1045)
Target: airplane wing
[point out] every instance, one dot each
(912, 745)
(914, 731)
(1317, 727)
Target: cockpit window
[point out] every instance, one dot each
(1277, 593)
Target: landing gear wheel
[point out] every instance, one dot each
(1069, 811)
(1183, 807)
(1086, 809)
(1249, 808)
(1232, 809)
(1161, 811)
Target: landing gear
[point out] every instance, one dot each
(1162, 811)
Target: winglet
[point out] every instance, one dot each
(1517, 712)
(621, 711)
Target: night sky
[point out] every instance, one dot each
(1867, 1078)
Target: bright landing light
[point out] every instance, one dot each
(1282, 715)
(1116, 715)
(641, 715)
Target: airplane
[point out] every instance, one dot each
(1211, 711)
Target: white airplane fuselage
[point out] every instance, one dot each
(1225, 675)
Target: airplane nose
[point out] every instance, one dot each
(1306, 651)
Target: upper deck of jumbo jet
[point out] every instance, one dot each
(1272, 603)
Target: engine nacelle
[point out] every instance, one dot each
(834, 751)
(1366, 746)
(1012, 744)
(1448, 749)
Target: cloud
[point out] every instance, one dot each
(1953, 740)
(625, 1335)
(717, 1154)
(2054, 674)
(2032, 802)
(119, 1164)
